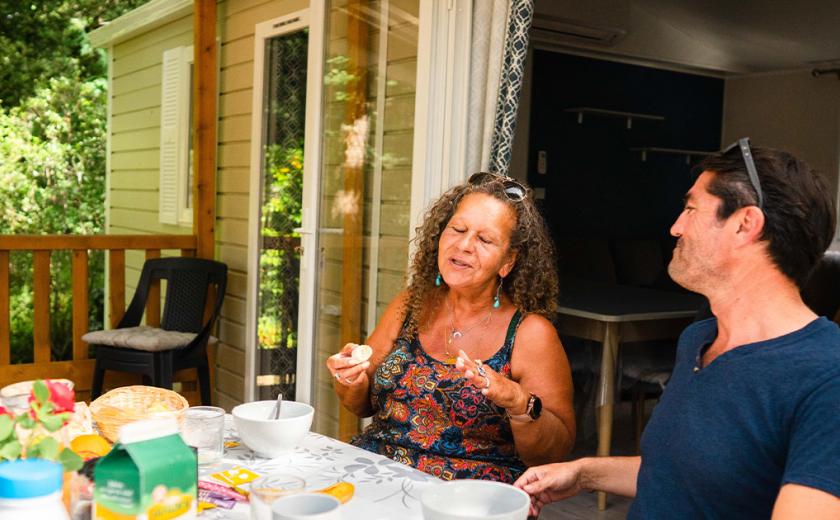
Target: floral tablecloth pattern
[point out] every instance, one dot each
(385, 489)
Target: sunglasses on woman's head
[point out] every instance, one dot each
(513, 190)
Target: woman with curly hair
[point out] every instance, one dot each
(468, 378)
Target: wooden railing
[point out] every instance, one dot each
(80, 368)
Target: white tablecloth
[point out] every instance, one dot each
(385, 489)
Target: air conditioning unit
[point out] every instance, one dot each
(552, 29)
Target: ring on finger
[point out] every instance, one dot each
(337, 376)
(486, 382)
(481, 371)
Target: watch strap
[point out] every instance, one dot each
(528, 416)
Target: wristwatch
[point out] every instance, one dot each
(532, 412)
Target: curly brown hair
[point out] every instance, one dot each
(532, 285)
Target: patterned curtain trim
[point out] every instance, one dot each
(510, 86)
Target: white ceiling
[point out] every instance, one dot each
(727, 36)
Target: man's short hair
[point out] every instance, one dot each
(799, 213)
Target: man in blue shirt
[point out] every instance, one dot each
(749, 425)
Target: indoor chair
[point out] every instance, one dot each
(182, 338)
(822, 290)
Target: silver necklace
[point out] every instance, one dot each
(456, 334)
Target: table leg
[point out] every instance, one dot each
(606, 396)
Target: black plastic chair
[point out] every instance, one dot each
(188, 282)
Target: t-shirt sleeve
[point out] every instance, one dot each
(814, 452)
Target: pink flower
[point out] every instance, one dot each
(62, 396)
(5, 411)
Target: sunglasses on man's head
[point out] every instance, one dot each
(513, 190)
(743, 144)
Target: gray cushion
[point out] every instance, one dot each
(151, 339)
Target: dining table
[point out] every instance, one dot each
(384, 489)
(611, 314)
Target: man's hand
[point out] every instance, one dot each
(550, 483)
(554, 482)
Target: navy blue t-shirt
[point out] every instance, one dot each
(724, 439)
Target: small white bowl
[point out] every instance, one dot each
(474, 500)
(272, 437)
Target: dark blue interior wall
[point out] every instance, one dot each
(595, 185)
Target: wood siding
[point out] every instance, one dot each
(134, 175)
(135, 149)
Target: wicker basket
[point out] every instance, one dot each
(132, 403)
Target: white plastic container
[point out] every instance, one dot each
(31, 490)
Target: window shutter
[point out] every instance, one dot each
(171, 148)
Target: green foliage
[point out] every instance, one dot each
(31, 436)
(52, 167)
(279, 266)
(44, 39)
(52, 149)
(282, 194)
(7, 425)
(282, 210)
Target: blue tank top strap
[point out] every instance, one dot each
(515, 320)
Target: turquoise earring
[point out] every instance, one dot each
(438, 280)
(496, 301)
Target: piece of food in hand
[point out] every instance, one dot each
(343, 491)
(361, 353)
(340, 354)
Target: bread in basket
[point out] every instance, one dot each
(132, 403)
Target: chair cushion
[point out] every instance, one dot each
(150, 339)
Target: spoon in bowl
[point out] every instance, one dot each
(275, 412)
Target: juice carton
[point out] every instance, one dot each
(150, 474)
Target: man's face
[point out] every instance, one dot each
(702, 249)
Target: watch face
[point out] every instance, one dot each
(536, 410)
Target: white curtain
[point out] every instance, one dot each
(489, 27)
(499, 47)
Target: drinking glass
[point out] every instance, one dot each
(265, 490)
(308, 506)
(203, 428)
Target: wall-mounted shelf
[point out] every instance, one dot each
(674, 151)
(629, 116)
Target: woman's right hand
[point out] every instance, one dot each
(345, 369)
(550, 483)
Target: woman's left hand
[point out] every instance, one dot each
(504, 392)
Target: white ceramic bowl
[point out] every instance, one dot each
(272, 437)
(474, 500)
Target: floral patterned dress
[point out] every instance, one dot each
(427, 416)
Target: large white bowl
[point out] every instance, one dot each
(272, 437)
(474, 500)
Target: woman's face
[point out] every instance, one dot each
(474, 248)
